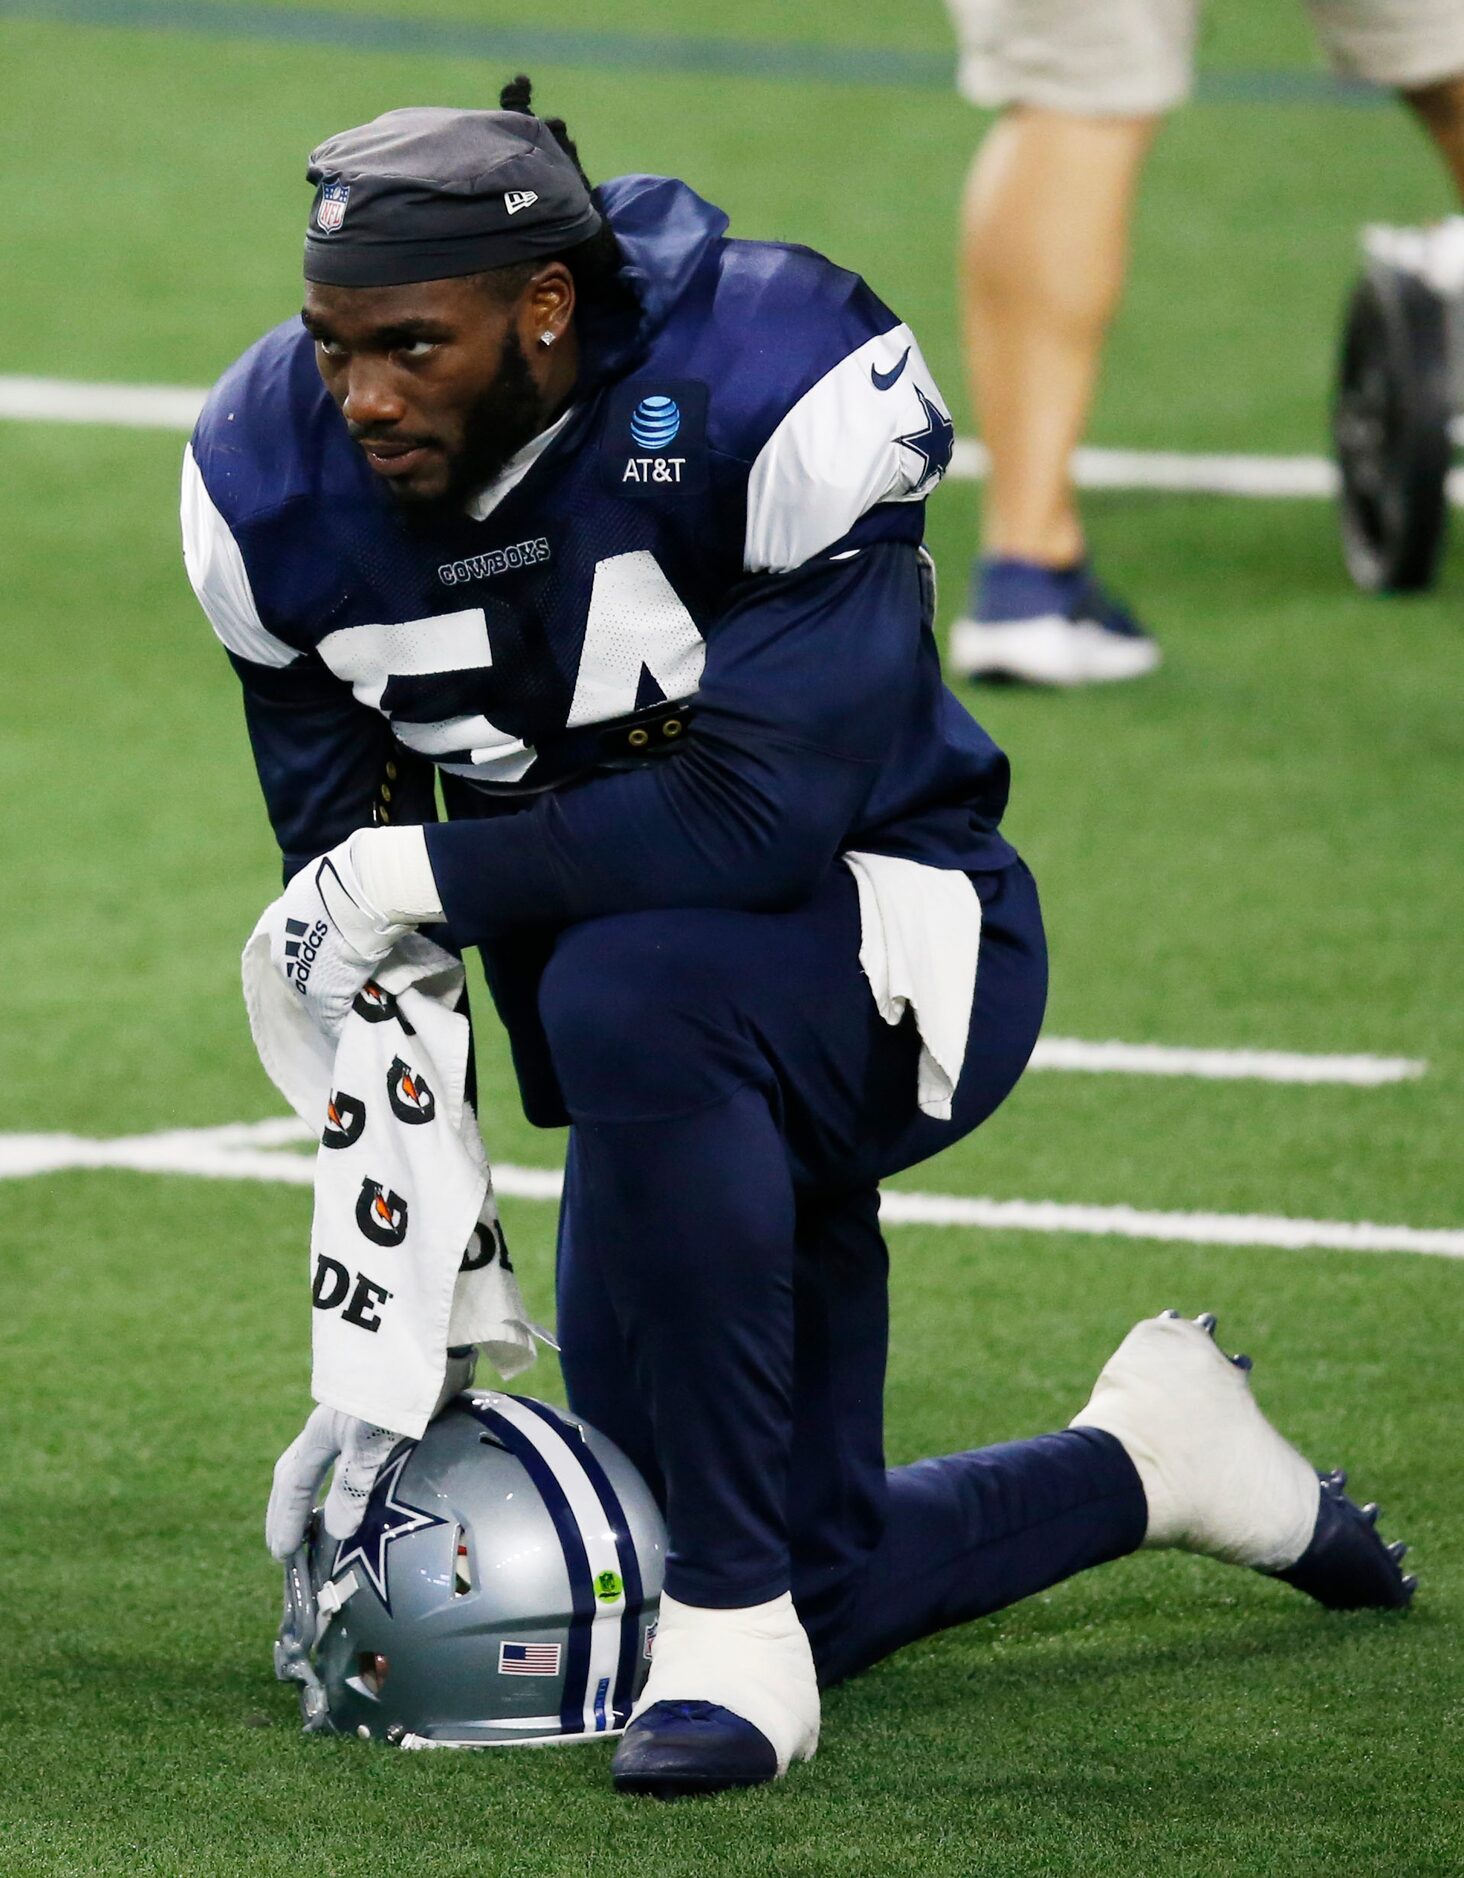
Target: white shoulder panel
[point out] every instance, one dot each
(216, 569)
(844, 447)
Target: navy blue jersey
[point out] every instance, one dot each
(726, 520)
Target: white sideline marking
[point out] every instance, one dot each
(1162, 1059)
(254, 1151)
(176, 407)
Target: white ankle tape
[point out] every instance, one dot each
(756, 1662)
(1217, 1477)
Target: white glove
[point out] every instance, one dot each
(328, 937)
(359, 1451)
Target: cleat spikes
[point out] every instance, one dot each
(1336, 1480)
(1347, 1567)
(1372, 1512)
(1410, 1584)
(1207, 1321)
(1173, 1314)
(1242, 1362)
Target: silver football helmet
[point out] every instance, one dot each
(502, 1588)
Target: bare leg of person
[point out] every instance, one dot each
(1045, 243)
(1044, 252)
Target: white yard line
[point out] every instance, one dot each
(1162, 1059)
(1176, 471)
(1127, 1222)
(255, 1151)
(176, 407)
(71, 401)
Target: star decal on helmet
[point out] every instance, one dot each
(387, 1518)
(932, 444)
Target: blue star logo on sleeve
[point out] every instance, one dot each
(932, 444)
(387, 1518)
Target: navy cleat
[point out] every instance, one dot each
(675, 1750)
(1347, 1566)
(1037, 625)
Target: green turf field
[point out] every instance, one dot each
(1257, 848)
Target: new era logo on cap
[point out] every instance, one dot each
(517, 199)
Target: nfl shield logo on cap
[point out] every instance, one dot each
(332, 210)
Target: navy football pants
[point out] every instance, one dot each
(735, 1098)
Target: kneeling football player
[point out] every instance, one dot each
(610, 527)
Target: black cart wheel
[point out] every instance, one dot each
(1390, 424)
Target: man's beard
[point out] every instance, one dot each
(496, 426)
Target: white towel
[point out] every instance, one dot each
(919, 936)
(403, 1190)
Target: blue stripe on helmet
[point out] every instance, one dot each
(576, 1559)
(629, 1658)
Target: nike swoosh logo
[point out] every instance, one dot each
(883, 380)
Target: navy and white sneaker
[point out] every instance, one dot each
(1039, 625)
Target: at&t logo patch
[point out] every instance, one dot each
(666, 428)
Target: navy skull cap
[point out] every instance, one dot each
(427, 194)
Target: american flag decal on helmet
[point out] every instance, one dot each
(528, 1659)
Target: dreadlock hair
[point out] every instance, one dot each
(595, 264)
(518, 95)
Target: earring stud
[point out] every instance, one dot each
(547, 339)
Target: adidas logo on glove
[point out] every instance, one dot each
(301, 948)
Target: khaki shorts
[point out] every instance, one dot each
(1136, 57)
